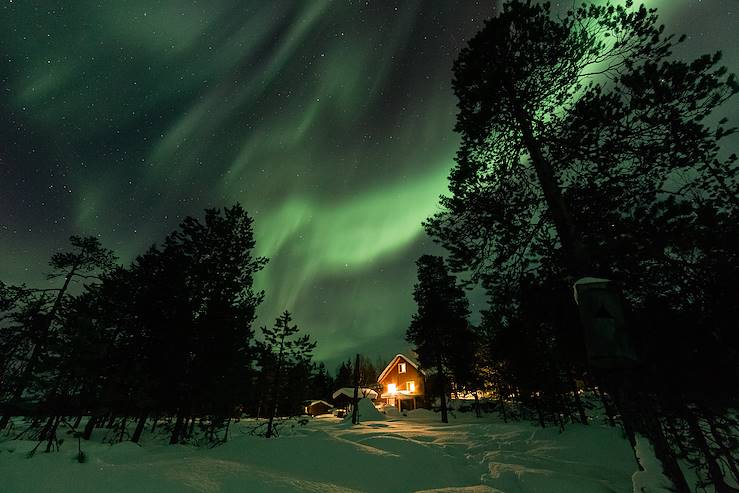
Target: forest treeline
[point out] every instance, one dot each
(171, 336)
(590, 151)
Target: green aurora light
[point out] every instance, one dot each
(330, 121)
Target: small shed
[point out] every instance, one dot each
(314, 408)
(344, 397)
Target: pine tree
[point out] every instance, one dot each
(285, 353)
(440, 323)
(86, 259)
(585, 151)
(344, 374)
(321, 384)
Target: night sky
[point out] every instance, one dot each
(329, 121)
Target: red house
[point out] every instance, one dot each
(403, 384)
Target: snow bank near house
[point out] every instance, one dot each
(421, 413)
(391, 411)
(368, 411)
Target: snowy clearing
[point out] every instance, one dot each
(403, 454)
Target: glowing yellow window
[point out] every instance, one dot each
(411, 386)
(391, 388)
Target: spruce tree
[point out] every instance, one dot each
(439, 326)
(285, 354)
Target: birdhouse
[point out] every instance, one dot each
(607, 341)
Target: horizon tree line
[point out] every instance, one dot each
(169, 338)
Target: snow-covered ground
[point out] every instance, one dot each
(398, 454)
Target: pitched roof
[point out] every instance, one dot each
(310, 403)
(394, 360)
(349, 392)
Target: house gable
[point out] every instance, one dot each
(399, 358)
(404, 374)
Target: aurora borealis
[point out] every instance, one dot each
(330, 121)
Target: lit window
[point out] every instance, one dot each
(411, 386)
(401, 367)
(391, 388)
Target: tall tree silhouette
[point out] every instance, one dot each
(284, 351)
(440, 323)
(86, 259)
(585, 150)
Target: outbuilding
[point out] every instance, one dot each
(314, 408)
(344, 397)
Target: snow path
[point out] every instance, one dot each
(467, 455)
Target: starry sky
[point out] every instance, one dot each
(330, 121)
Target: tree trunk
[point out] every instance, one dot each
(477, 406)
(275, 390)
(51, 434)
(578, 259)
(77, 421)
(442, 389)
(578, 401)
(44, 434)
(540, 413)
(36, 351)
(355, 410)
(607, 407)
(720, 440)
(669, 462)
(676, 435)
(192, 427)
(89, 426)
(563, 404)
(715, 473)
(124, 422)
(177, 430)
(154, 423)
(139, 427)
(228, 425)
(644, 415)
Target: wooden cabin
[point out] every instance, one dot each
(403, 384)
(314, 408)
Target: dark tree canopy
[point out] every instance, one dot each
(588, 148)
(168, 335)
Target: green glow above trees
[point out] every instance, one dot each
(330, 122)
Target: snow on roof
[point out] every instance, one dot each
(311, 403)
(392, 362)
(349, 392)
